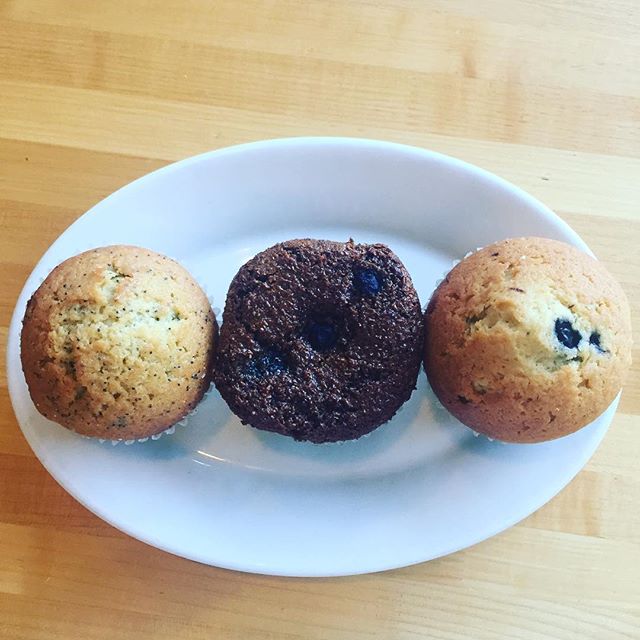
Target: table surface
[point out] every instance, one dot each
(544, 93)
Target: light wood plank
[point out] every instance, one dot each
(133, 125)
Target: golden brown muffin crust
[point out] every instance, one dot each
(493, 354)
(117, 343)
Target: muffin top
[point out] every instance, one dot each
(320, 340)
(117, 343)
(527, 340)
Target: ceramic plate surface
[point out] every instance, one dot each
(222, 493)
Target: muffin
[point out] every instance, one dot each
(527, 340)
(320, 341)
(117, 343)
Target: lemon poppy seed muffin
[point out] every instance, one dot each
(527, 340)
(117, 343)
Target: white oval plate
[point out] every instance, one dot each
(222, 493)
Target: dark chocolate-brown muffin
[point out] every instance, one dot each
(320, 340)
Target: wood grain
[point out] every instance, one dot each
(545, 93)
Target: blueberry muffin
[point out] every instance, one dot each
(527, 340)
(117, 343)
(320, 340)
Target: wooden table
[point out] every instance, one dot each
(545, 93)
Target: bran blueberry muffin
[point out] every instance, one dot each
(527, 340)
(320, 341)
(117, 343)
